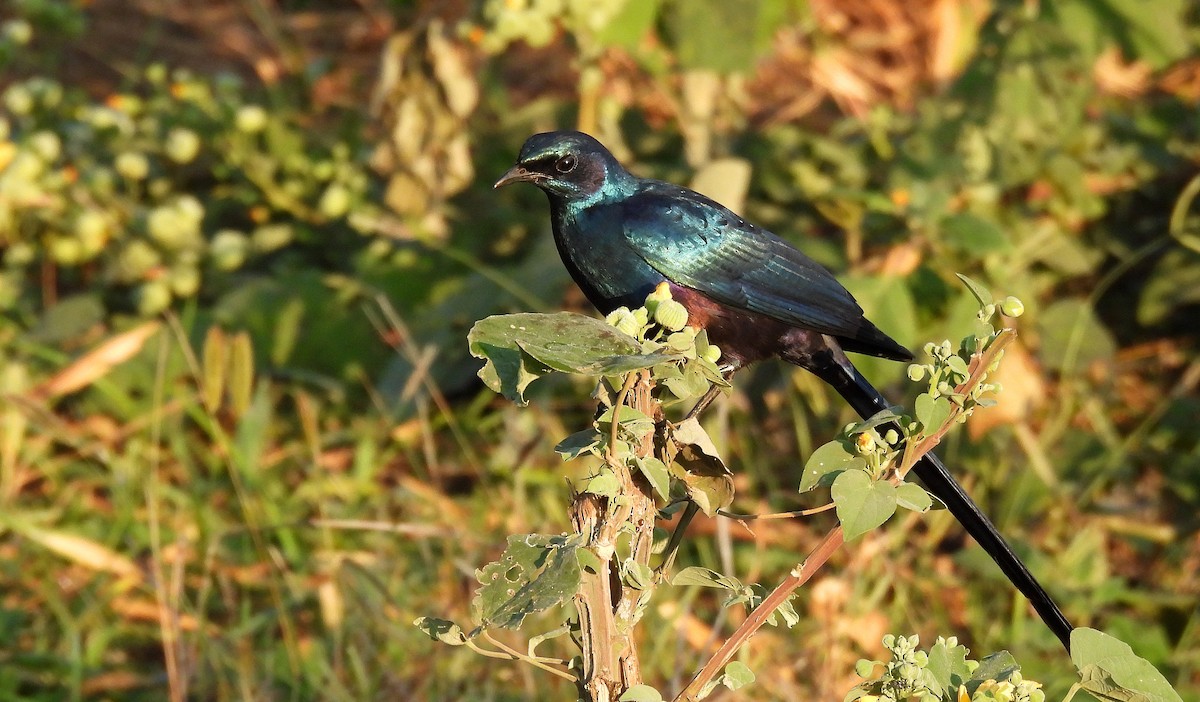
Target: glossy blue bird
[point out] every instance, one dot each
(757, 296)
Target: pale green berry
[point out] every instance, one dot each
(712, 353)
(91, 229)
(916, 372)
(1012, 307)
(251, 119)
(65, 251)
(156, 73)
(18, 99)
(152, 297)
(270, 237)
(891, 436)
(661, 292)
(18, 31)
(190, 208)
(135, 260)
(46, 144)
(228, 249)
(182, 145)
(20, 253)
(671, 315)
(335, 201)
(132, 165)
(184, 281)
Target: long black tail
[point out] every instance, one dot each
(867, 401)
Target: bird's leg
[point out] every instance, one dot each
(677, 536)
(704, 402)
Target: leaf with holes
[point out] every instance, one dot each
(536, 572)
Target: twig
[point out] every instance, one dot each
(799, 575)
(913, 451)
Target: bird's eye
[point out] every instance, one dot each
(566, 164)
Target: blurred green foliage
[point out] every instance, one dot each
(153, 543)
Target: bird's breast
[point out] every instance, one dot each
(593, 247)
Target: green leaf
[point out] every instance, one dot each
(657, 473)
(695, 575)
(579, 442)
(829, 458)
(605, 484)
(969, 233)
(995, 666)
(737, 674)
(693, 459)
(631, 23)
(714, 35)
(1174, 282)
(931, 413)
(640, 693)
(862, 503)
(442, 630)
(981, 293)
(913, 497)
(69, 318)
(1110, 670)
(947, 667)
(534, 573)
(1072, 337)
(520, 348)
(628, 418)
(638, 575)
(864, 668)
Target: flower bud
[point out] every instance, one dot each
(1012, 307)
(671, 315)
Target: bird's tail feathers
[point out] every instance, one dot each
(867, 401)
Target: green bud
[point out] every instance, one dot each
(135, 260)
(18, 31)
(46, 144)
(20, 253)
(152, 297)
(916, 371)
(18, 99)
(270, 237)
(91, 229)
(1012, 307)
(335, 201)
(671, 315)
(227, 250)
(250, 119)
(182, 145)
(891, 436)
(625, 321)
(156, 73)
(712, 353)
(184, 281)
(132, 165)
(65, 251)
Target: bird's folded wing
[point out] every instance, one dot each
(699, 244)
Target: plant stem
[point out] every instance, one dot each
(608, 607)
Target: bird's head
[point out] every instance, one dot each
(571, 165)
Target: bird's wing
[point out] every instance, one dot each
(700, 244)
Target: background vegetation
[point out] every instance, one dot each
(242, 444)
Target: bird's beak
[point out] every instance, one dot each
(517, 174)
